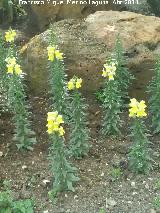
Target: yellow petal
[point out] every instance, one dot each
(71, 85)
(59, 119)
(59, 55)
(52, 115)
(61, 131)
(18, 69)
(78, 83)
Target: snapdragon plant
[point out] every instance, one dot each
(139, 155)
(154, 100)
(63, 172)
(124, 77)
(57, 77)
(112, 103)
(79, 132)
(23, 134)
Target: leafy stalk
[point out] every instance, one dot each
(57, 80)
(111, 123)
(139, 156)
(63, 172)
(79, 135)
(123, 76)
(23, 133)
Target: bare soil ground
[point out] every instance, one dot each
(97, 187)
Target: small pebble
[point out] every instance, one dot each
(24, 167)
(102, 174)
(133, 184)
(46, 181)
(75, 197)
(110, 202)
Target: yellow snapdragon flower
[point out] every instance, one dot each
(74, 83)
(61, 131)
(109, 70)
(10, 35)
(71, 85)
(78, 83)
(12, 66)
(59, 55)
(54, 120)
(137, 108)
(18, 69)
(53, 53)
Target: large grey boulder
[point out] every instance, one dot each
(86, 44)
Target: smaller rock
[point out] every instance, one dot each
(110, 202)
(152, 211)
(147, 186)
(45, 182)
(133, 184)
(75, 197)
(102, 174)
(24, 167)
(1, 154)
(129, 202)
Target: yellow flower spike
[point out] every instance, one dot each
(59, 55)
(61, 131)
(71, 85)
(18, 69)
(137, 108)
(54, 121)
(78, 83)
(10, 35)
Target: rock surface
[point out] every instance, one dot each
(86, 44)
(44, 14)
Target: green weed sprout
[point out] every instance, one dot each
(79, 134)
(123, 76)
(63, 172)
(156, 202)
(112, 103)
(154, 101)
(9, 205)
(57, 77)
(17, 99)
(139, 155)
(116, 173)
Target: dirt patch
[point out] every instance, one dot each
(96, 188)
